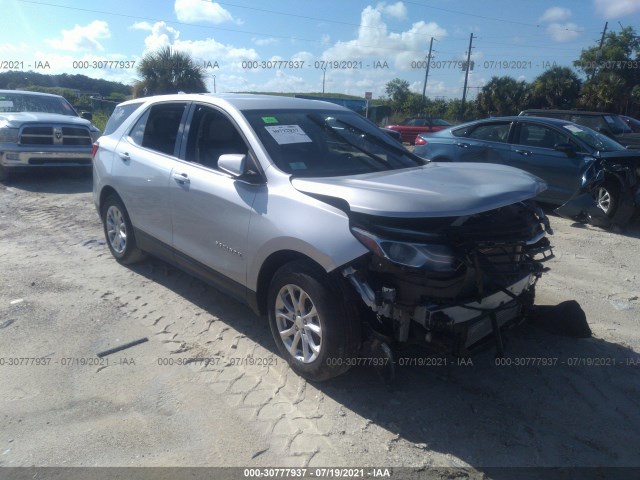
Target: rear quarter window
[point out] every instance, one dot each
(119, 115)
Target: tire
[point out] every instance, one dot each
(4, 174)
(118, 231)
(607, 196)
(313, 322)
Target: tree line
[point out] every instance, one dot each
(605, 77)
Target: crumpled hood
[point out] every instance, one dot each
(18, 118)
(433, 190)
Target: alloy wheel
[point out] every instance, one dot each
(298, 323)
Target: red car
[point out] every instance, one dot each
(411, 127)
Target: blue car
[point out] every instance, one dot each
(558, 151)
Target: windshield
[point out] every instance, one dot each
(595, 140)
(24, 102)
(617, 125)
(318, 143)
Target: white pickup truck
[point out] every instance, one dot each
(42, 130)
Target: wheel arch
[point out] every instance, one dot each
(106, 192)
(269, 267)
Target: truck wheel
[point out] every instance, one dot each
(4, 174)
(118, 231)
(311, 321)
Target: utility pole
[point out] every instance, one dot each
(426, 74)
(604, 32)
(466, 77)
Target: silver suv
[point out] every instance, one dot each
(42, 130)
(311, 215)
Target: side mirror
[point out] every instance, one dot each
(567, 148)
(86, 115)
(233, 163)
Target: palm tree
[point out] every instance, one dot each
(558, 87)
(168, 71)
(502, 96)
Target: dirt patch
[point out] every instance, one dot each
(210, 372)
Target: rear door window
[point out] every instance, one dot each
(119, 115)
(158, 128)
(491, 132)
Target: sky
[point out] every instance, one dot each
(345, 46)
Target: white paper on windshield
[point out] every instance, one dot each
(6, 103)
(573, 128)
(285, 134)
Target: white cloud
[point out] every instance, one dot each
(201, 11)
(209, 49)
(141, 26)
(616, 8)
(375, 42)
(82, 37)
(10, 48)
(564, 32)
(397, 10)
(264, 41)
(555, 14)
(162, 35)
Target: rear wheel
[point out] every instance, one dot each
(118, 231)
(311, 321)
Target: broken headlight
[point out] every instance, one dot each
(433, 257)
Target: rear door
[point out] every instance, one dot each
(533, 151)
(143, 162)
(210, 209)
(484, 142)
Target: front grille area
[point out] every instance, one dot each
(55, 135)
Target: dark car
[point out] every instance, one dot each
(411, 127)
(555, 150)
(609, 124)
(632, 123)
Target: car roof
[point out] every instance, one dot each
(29, 92)
(245, 101)
(570, 112)
(514, 118)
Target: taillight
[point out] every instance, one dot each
(420, 140)
(94, 149)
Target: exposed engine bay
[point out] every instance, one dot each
(450, 282)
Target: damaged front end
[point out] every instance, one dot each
(619, 174)
(449, 282)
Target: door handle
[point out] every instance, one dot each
(124, 156)
(526, 153)
(181, 178)
(463, 145)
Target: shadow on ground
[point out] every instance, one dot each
(554, 401)
(67, 180)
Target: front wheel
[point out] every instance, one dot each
(118, 231)
(607, 198)
(311, 321)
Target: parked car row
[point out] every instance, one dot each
(325, 223)
(558, 151)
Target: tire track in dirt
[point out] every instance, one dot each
(154, 293)
(354, 421)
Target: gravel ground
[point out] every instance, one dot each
(64, 298)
